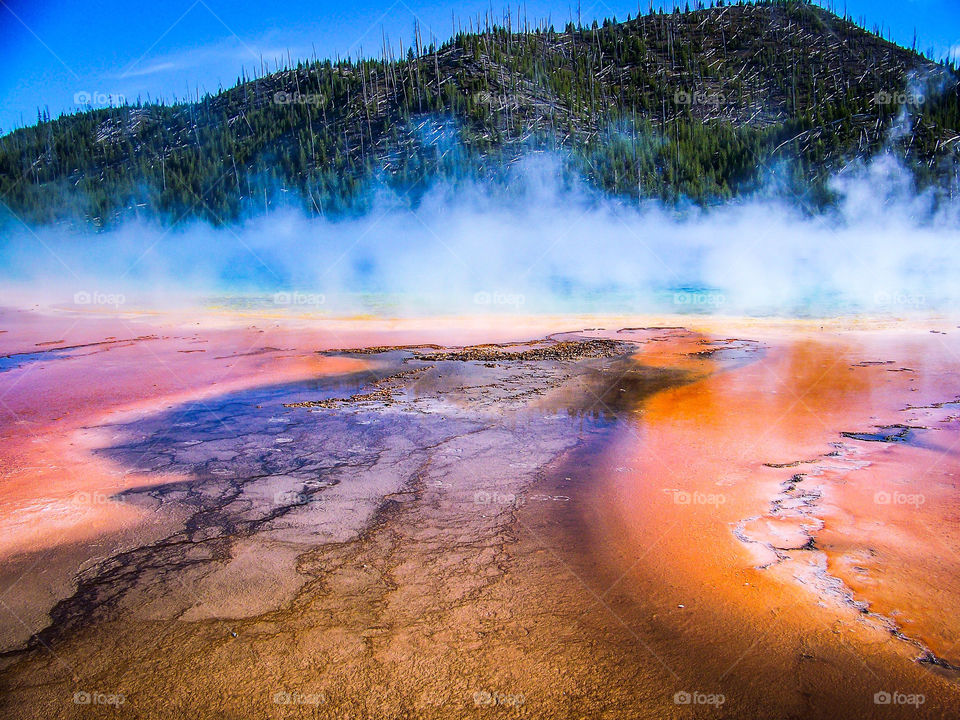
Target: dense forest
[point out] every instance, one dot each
(699, 106)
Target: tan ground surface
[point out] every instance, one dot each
(596, 534)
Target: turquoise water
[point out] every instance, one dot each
(694, 301)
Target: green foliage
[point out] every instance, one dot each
(675, 106)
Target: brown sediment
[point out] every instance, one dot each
(548, 349)
(559, 350)
(381, 349)
(559, 537)
(384, 393)
(381, 395)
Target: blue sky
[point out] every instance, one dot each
(59, 51)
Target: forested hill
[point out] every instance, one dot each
(702, 104)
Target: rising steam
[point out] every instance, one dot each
(548, 248)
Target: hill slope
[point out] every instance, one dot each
(696, 104)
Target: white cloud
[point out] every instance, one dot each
(205, 67)
(226, 55)
(151, 69)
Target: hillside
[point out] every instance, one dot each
(701, 105)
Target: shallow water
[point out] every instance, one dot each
(733, 515)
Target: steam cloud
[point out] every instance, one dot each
(547, 248)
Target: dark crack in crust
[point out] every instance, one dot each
(234, 450)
